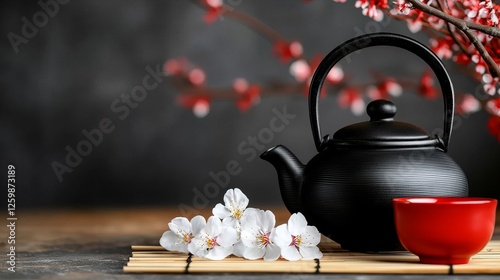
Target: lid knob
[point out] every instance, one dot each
(381, 110)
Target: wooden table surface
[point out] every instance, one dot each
(95, 243)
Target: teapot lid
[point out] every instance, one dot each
(382, 129)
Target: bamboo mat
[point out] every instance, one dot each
(155, 259)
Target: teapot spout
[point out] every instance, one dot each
(290, 175)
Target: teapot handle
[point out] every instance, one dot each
(381, 39)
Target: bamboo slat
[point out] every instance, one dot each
(155, 259)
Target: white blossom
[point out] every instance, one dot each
(215, 241)
(233, 209)
(181, 232)
(258, 234)
(297, 240)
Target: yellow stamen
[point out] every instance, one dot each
(298, 239)
(263, 239)
(237, 213)
(187, 238)
(211, 242)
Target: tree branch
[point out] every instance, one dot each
(462, 24)
(466, 27)
(459, 42)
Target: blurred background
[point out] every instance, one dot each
(71, 75)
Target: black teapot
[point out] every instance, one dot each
(346, 190)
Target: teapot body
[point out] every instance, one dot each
(347, 192)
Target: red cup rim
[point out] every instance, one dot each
(444, 200)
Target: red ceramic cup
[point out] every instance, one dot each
(444, 230)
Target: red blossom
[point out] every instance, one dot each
(189, 100)
(196, 76)
(336, 74)
(248, 98)
(214, 10)
(480, 64)
(384, 89)
(483, 12)
(442, 47)
(415, 24)
(427, 88)
(462, 58)
(175, 66)
(200, 103)
(402, 7)
(489, 84)
(494, 47)
(350, 97)
(435, 22)
(493, 107)
(303, 72)
(467, 104)
(494, 126)
(286, 51)
(181, 67)
(249, 95)
(372, 8)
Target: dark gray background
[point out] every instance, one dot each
(66, 77)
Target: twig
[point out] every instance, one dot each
(466, 28)
(252, 22)
(462, 24)
(247, 20)
(460, 44)
(231, 94)
(284, 88)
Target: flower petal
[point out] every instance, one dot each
(272, 236)
(273, 252)
(249, 223)
(197, 224)
(282, 237)
(239, 249)
(268, 221)
(235, 199)
(290, 253)
(309, 253)
(192, 248)
(214, 226)
(198, 247)
(221, 211)
(180, 226)
(297, 224)
(254, 253)
(219, 253)
(228, 198)
(249, 237)
(172, 242)
(241, 199)
(310, 236)
(251, 211)
(232, 222)
(228, 237)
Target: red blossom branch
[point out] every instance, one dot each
(458, 37)
(443, 6)
(466, 27)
